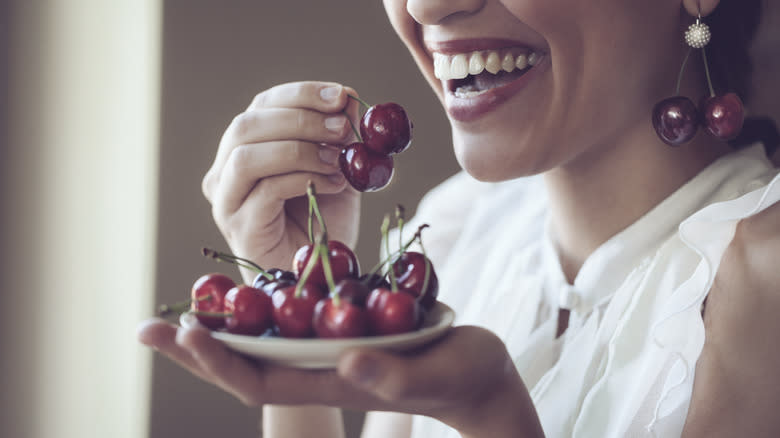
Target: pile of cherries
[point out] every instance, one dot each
(385, 130)
(324, 296)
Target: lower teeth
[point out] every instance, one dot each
(467, 91)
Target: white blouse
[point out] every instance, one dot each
(624, 366)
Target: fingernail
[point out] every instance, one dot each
(335, 123)
(328, 155)
(366, 371)
(329, 94)
(336, 178)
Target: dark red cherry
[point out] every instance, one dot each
(386, 129)
(293, 315)
(340, 318)
(366, 171)
(343, 263)
(391, 312)
(272, 286)
(208, 295)
(723, 116)
(250, 311)
(352, 290)
(374, 281)
(675, 120)
(409, 270)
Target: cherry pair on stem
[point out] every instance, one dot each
(676, 119)
(385, 130)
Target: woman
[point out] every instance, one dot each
(561, 236)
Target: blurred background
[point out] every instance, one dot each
(110, 115)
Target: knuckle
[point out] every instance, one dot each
(238, 161)
(259, 100)
(243, 123)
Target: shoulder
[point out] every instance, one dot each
(737, 383)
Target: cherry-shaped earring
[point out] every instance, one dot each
(676, 119)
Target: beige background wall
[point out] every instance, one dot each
(216, 57)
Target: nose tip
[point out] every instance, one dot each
(434, 12)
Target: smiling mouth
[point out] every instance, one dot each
(467, 75)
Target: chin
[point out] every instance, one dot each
(489, 161)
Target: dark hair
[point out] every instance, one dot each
(734, 24)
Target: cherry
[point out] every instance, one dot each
(277, 274)
(374, 280)
(272, 286)
(675, 120)
(343, 262)
(352, 290)
(393, 312)
(208, 295)
(723, 116)
(293, 312)
(249, 311)
(386, 129)
(335, 317)
(410, 270)
(366, 170)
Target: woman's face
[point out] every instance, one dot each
(576, 77)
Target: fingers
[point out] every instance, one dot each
(436, 374)
(162, 336)
(319, 96)
(249, 163)
(293, 113)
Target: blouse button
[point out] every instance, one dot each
(568, 298)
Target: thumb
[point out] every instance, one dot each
(381, 374)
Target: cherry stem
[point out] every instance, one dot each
(400, 251)
(322, 250)
(682, 70)
(236, 260)
(311, 193)
(357, 133)
(180, 307)
(311, 224)
(385, 230)
(309, 267)
(362, 102)
(399, 215)
(427, 277)
(707, 72)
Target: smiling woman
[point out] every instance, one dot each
(577, 249)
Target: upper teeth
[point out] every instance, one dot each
(463, 64)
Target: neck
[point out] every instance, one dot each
(603, 191)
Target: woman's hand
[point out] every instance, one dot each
(289, 135)
(466, 379)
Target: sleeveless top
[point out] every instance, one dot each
(625, 364)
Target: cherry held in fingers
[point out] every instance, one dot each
(366, 170)
(386, 129)
(208, 295)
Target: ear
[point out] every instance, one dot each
(703, 7)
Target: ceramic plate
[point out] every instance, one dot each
(324, 353)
